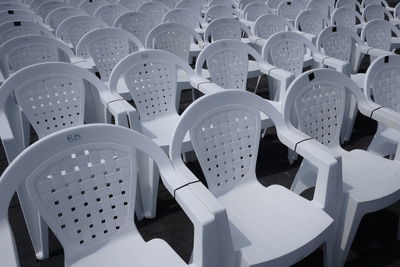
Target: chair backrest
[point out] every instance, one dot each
(18, 15)
(107, 46)
(151, 77)
(383, 82)
(83, 181)
(290, 9)
(378, 34)
(74, 3)
(137, 23)
(255, 10)
(225, 28)
(13, 6)
(366, 3)
(90, 6)
(212, 3)
(321, 6)
(58, 15)
(155, 10)
(373, 11)
(109, 13)
(227, 63)
(311, 21)
(286, 50)
(173, 37)
(352, 4)
(219, 11)
(274, 3)
(267, 25)
(36, 3)
(51, 95)
(10, 30)
(45, 8)
(193, 5)
(244, 3)
(131, 5)
(347, 17)
(26, 50)
(396, 12)
(341, 43)
(72, 29)
(184, 16)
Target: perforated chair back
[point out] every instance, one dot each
(213, 3)
(311, 21)
(353, 5)
(267, 25)
(347, 17)
(366, 3)
(290, 9)
(36, 3)
(155, 10)
(45, 8)
(173, 37)
(107, 46)
(378, 34)
(255, 10)
(225, 28)
(193, 5)
(274, 3)
(286, 50)
(10, 30)
(219, 11)
(90, 6)
(373, 11)
(184, 16)
(137, 23)
(72, 29)
(323, 7)
(131, 5)
(13, 6)
(109, 13)
(18, 15)
(169, 3)
(244, 3)
(58, 15)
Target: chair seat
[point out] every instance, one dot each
(367, 177)
(283, 224)
(133, 251)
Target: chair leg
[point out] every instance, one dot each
(257, 84)
(329, 249)
(38, 229)
(350, 117)
(348, 225)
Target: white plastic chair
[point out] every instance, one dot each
(269, 226)
(382, 84)
(213, 3)
(323, 7)
(184, 16)
(273, 4)
(26, 50)
(383, 3)
(13, 6)
(137, 23)
(217, 12)
(72, 29)
(75, 3)
(378, 34)
(50, 96)
(94, 220)
(106, 47)
(151, 78)
(373, 11)
(228, 28)
(290, 10)
(349, 18)
(311, 22)
(193, 5)
(109, 13)
(255, 10)
(58, 15)
(169, 3)
(90, 6)
(317, 99)
(352, 4)
(45, 8)
(131, 5)
(14, 29)
(242, 4)
(155, 10)
(18, 15)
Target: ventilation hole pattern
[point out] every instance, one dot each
(226, 32)
(153, 89)
(87, 194)
(338, 45)
(379, 37)
(346, 20)
(112, 13)
(288, 55)
(321, 8)
(107, 52)
(227, 146)
(52, 104)
(18, 31)
(228, 69)
(386, 89)
(178, 43)
(31, 54)
(139, 27)
(155, 14)
(290, 11)
(319, 111)
(312, 25)
(267, 29)
(375, 13)
(77, 30)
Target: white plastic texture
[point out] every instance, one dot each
(219, 11)
(354, 5)
(323, 7)
(378, 34)
(369, 181)
(131, 5)
(169, 3)
(75, 3)
(18, 15)
(290, 10)
(155, 10)
(311, 21)
(109, 13)
(274, 3)
(183, 16)
(225, 131)
(347, 17)
(36, 3)
(268, 25)
(173, 37)
(397, 11)
(242, 4)
(107, 46)
(373, 11)
(383, 84)
(26, 50)
(14, 29)
(137, 23)
(226, 28)
(92, 170)
(255, 10)
(58, 15)
(72, 29)
(90, 6)
(366, 3)
(213, 3)
(45, 8)
(193, 5)
(13, 6)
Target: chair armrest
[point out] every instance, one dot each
(311, 37)
(125, 114)
(337, 64)
(373, 51)
(203, 85)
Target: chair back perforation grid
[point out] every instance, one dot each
(386, 88)
(176, 42)
(338, 45)
(289, 55)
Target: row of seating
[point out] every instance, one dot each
(141, 60)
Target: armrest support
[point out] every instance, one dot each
(11, 147)
(283, 76)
